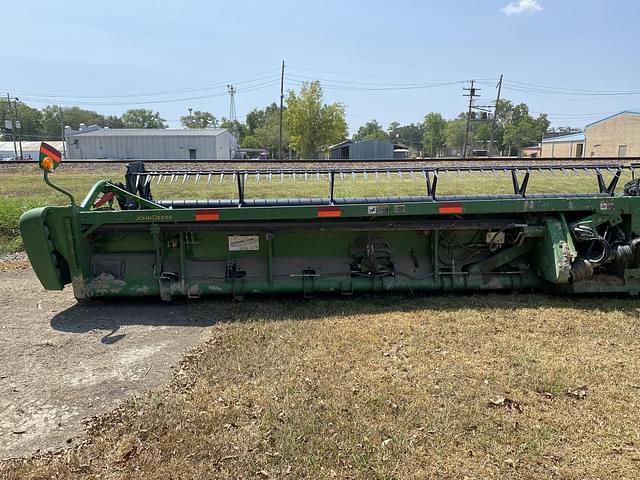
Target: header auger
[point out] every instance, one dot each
(124, 240)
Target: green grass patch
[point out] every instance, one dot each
(10, 211)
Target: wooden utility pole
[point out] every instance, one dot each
(64, 140)
(17, 125)
(13, 127)
(472, 94)
(495, 116)
(281, 109)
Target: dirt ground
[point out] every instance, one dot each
(61, 363)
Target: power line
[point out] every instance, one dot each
(148, 102)
(347, 74)
(330, 86)
(379, 84)
(243, 80)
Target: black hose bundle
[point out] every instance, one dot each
(599, 251)
(632, 188)
(616, 251)
(581, 268)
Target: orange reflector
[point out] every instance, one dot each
(450, 209)
(326, 212)
(207, 215)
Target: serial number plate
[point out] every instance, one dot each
(606, 205)
(385, 209)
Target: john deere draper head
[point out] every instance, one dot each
(341, 228)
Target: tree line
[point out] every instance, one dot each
(310, 126)
(48, 123)
(514, 127)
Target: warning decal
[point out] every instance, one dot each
(239, 243)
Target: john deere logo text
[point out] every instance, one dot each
(153, 218)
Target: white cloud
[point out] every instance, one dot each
(522, 6)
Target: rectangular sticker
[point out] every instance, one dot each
(399, 209)
(607, 205)
(378, 210)
(244, 243)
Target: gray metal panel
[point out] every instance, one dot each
(154, 146)
(371, 150)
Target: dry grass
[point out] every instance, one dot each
(385, 387)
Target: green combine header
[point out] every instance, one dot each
(123, 241)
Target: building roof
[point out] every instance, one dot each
(574, 137)
(343, 143)
(148, 132)
(624, 112)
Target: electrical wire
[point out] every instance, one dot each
(240, 80)
(148, 102)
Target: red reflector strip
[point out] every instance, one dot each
(450, 209)
(207, 215)
(329, 212)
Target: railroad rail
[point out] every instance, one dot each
(324, 161)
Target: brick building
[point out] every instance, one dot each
(564, 146)
(614, 136)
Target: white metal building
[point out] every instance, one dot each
(146, 143)
(30, 149)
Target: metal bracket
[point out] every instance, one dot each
(240, 182)
(432, 185)
(520, 189)
(105, 186)
(332, 178)
(611, 188)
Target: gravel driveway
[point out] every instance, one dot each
(61, 363)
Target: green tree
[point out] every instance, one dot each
(55, 116)
(142, 118)
(434, 127)
(113, 121)
(455, 131)
(30, 119)
(313, 126)
(516, 128)
(199, 119)
(371, 131)
(239, 129)
(263, 130)
(409, 135)
(482, 133)
(258, 118)
(268, 137)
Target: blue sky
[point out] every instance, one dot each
(388, 60)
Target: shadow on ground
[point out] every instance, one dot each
(113, 313)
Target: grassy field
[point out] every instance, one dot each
(394, 387)
(22, 188)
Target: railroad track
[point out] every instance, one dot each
(344, 164)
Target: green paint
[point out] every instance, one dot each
(288, 249)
